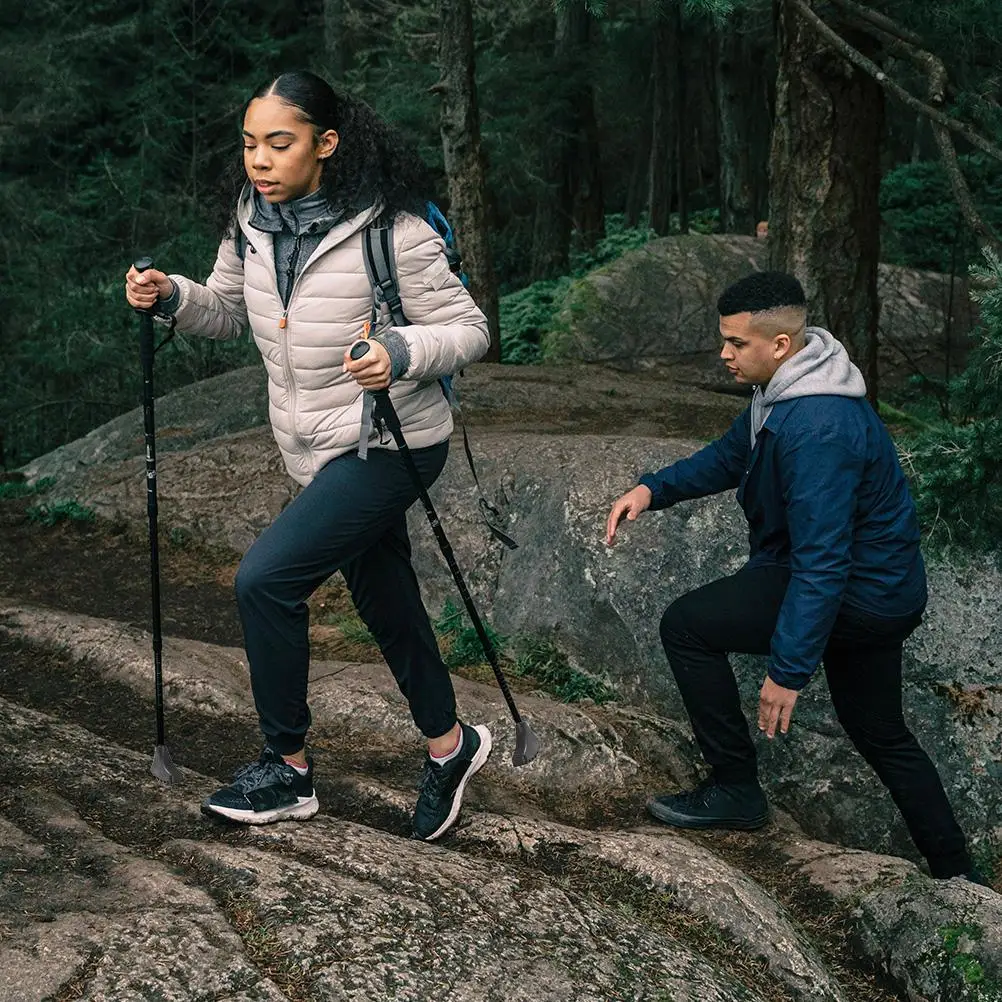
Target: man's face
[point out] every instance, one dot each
(750, 356)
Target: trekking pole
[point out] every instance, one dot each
(526, 742)
(163, 768)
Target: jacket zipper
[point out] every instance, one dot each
(290, 282)
(290, 287)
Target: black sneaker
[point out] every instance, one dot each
(442, 785)
(714, 805)
(264, 791)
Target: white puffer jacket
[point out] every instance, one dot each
(315, 407)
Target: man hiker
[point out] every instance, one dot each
(834, 577)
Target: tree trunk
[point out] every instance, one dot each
(733, 73)
(572, 198)
(662, 122)
(587, 203)
(681, 126)
(465, 163)
(824, 223)
(637, 188)
(334, 39)
(551, 234)
(682, 137)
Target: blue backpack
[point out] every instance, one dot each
(377, 253)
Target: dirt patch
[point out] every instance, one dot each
(102, 569)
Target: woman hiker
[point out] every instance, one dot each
(320, 167)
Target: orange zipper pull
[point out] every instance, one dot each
(283, 322)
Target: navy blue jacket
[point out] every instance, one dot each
(824, 495)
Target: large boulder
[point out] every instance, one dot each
(657, 306)
(604, 606)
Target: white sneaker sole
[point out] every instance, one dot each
(483, 753)
(305, 808)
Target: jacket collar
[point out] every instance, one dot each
(263, 239)
(309, 214)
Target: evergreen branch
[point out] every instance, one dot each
(881, 22)
(902, 41)
(854, 56)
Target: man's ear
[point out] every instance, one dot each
(781, 345)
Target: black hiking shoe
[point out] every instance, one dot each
(265, 791)
(740, 806)
(442, 785)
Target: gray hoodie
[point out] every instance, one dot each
(821, 368)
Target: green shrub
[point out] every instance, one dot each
(540, 660)
(545, 663)
(22, 489)
(61, 511)
(463, 642)
(920, 219)
(527, 315)
(956, 466)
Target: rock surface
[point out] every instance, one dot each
(602, 606)
(668, 289)
(135, 896)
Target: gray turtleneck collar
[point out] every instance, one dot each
(309, 214)
(297, 227)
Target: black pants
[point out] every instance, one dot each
(863, 663)
(350, 518)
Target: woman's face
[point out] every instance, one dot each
(282, 155)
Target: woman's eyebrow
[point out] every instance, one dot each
(271, 135)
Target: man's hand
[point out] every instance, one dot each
(372, 370)
(775, 706)
(631, 505)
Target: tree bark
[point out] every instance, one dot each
(682, 133)
(663, 143)
(733, 73)
(572, 199)
(637, 187)
(588, 204)
(465, 163)
(824, 223)
(334, 39)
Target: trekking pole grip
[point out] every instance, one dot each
(146, 338)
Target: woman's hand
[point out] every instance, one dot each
(371, 371)
(143, 288)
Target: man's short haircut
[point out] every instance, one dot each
(760, 292)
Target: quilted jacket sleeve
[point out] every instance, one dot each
(216, 309)
(446, 330)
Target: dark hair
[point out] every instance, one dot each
(762, 290)
(372, 163)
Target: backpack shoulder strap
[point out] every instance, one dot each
(377, 254)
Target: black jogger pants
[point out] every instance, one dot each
(862, 661)
(350, 518)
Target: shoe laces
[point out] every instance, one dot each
(263, 772)
(701, 795)
(433, 780)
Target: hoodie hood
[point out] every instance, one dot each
(821, 368)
